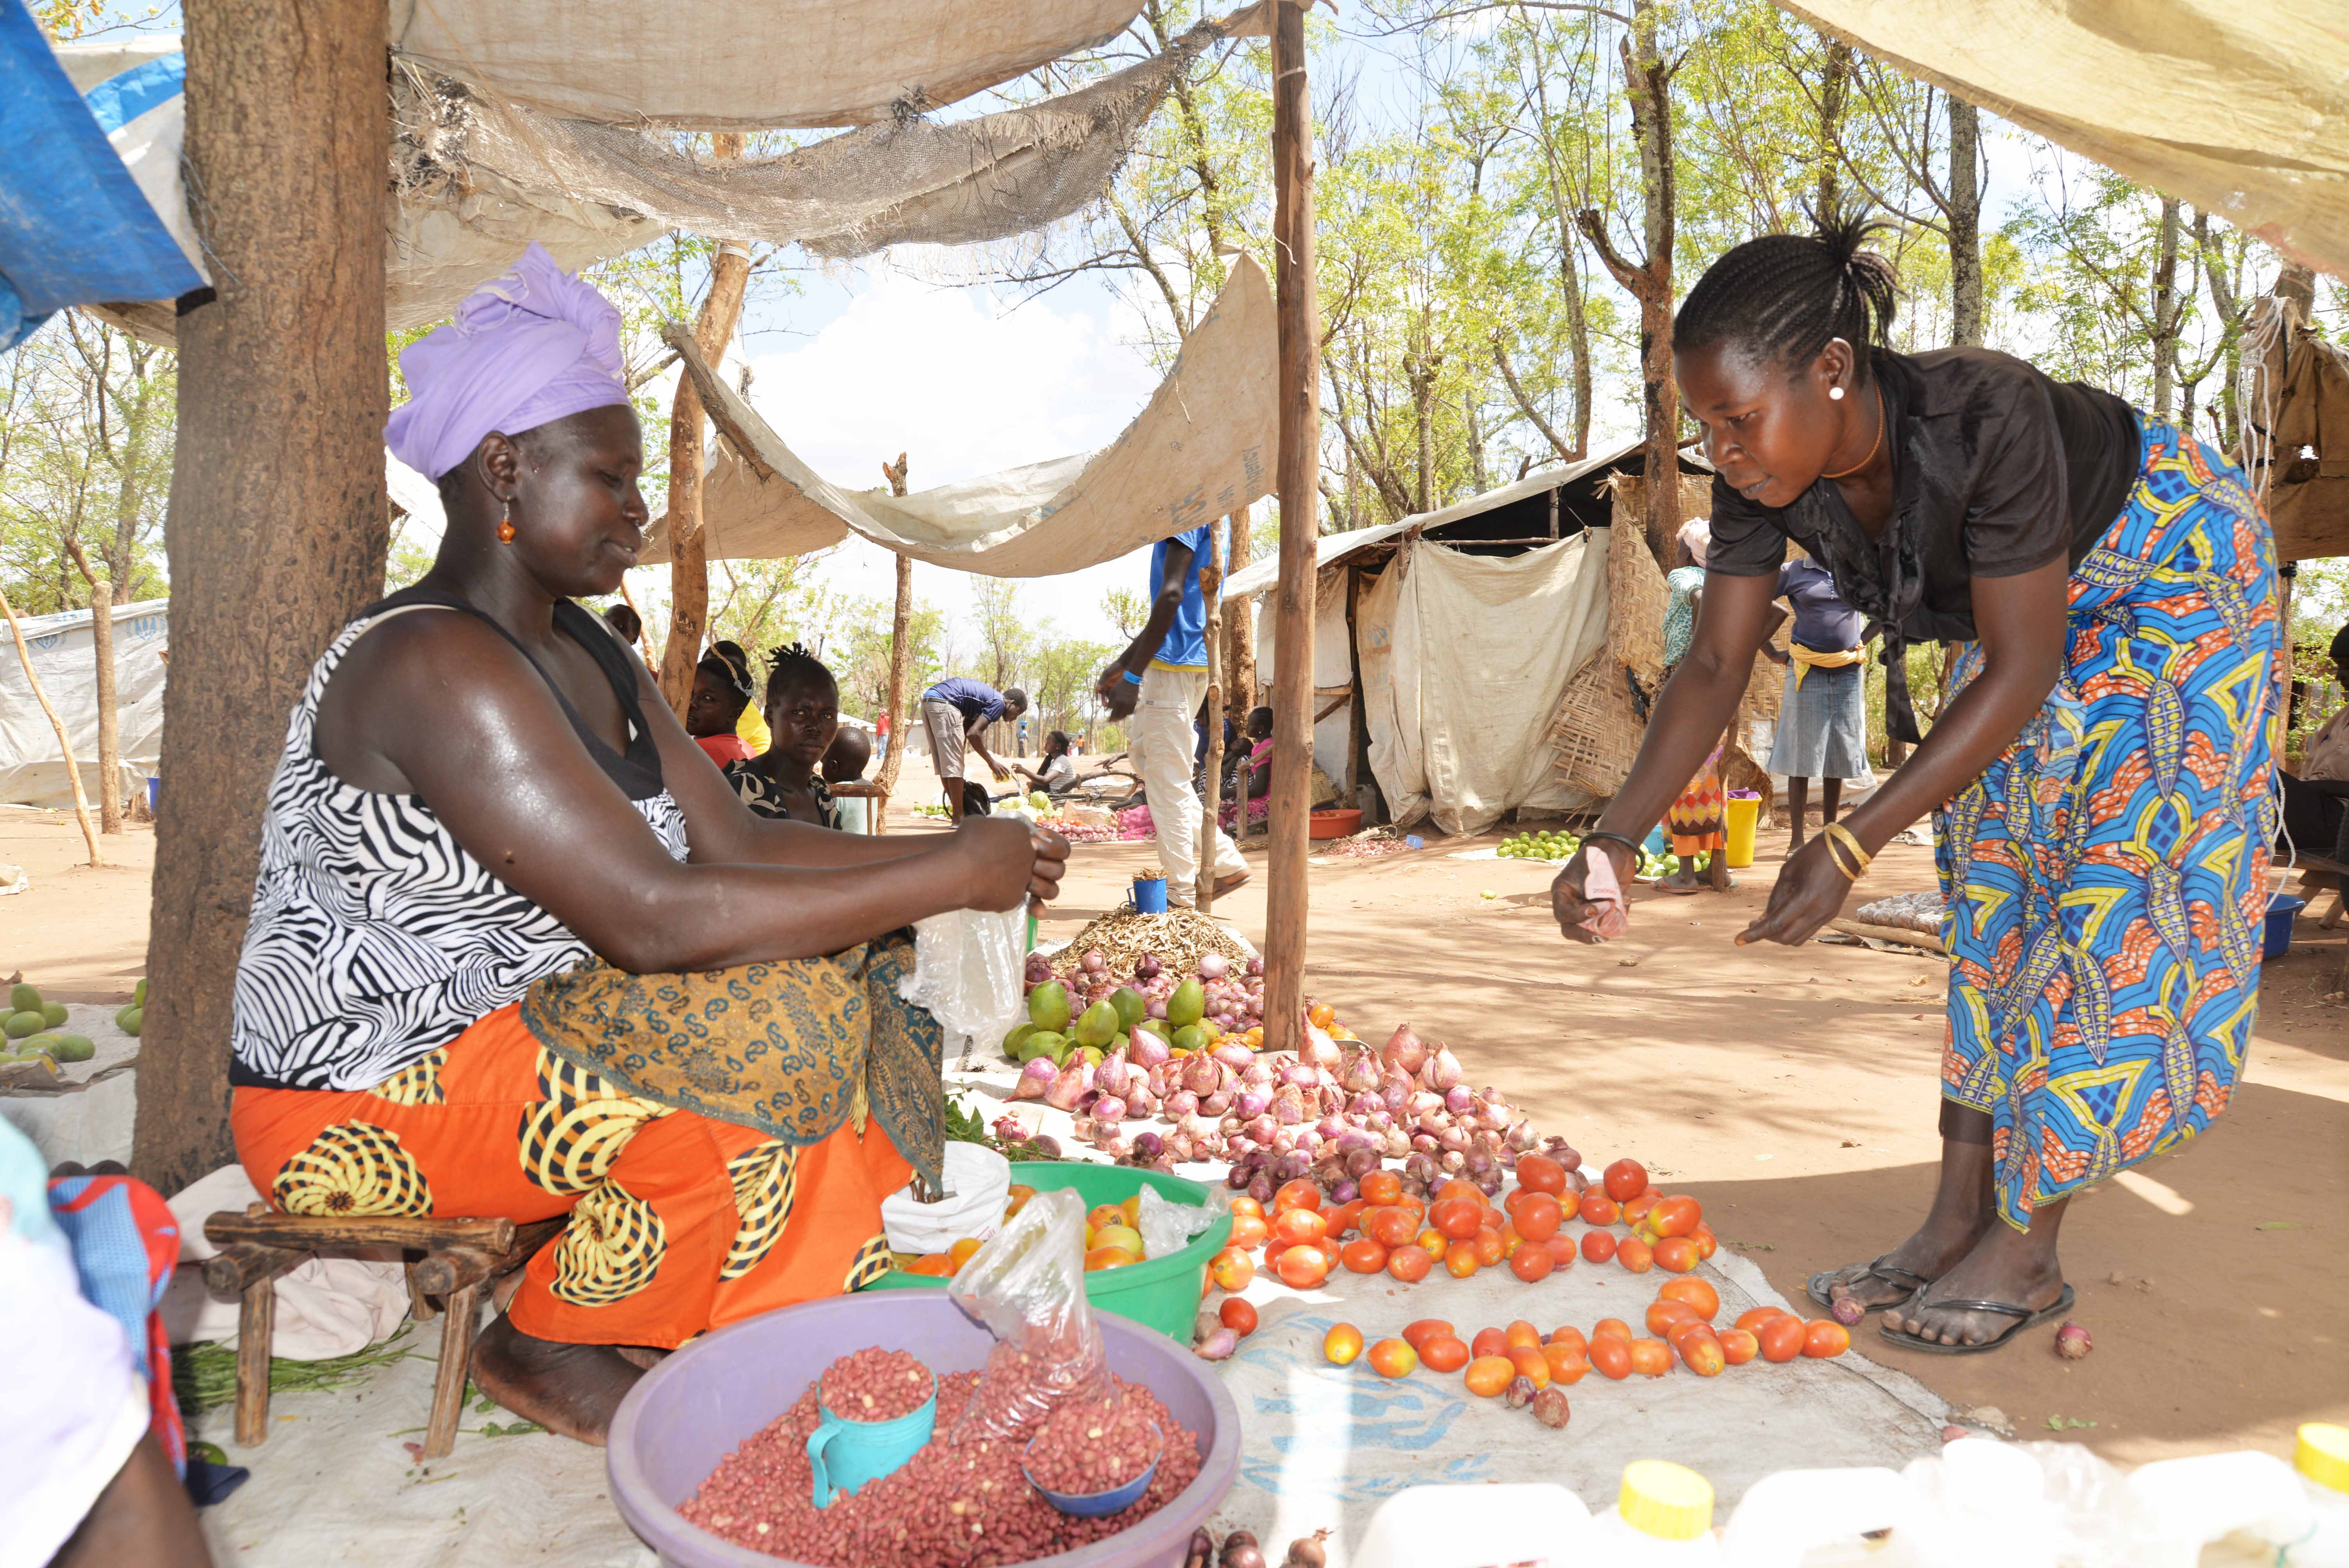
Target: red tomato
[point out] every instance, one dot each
(1538, 1217)
(1343, 1217)
(1244, 1205)
(1626, 1179)
(1460, 1260)
(1637, 1207)
(1597, 1246)
(1457, 1218)
(1561, 1250)
(1696, 1292)
(1392, 1358)
(1250, 1230)
(1531, 1364)
(1676, 1255)
(1706, 1245)
(1663, 1316)
(1702, 1354)
(1598, 1209)
(1298, 1226)
(1362, 1255)
(1381, 1187)
(1567, 1364)
(1445, 1353)
(1651, 1358)
(1782, 1338)
(1489, 1342)
(1488, 1375)
(1390, 1227)
(1490, 1248)
(1825, 1338)
(1610, 1356)
(1302, 1193)
(1237, 1316)
(1530, 1264)
(1635, 1255)
(1302, 1267)
(1461, 1187)
(1409, 1265)
(1675, 1216)
(1417, 1334)
(1614, 1326)
(1754, 1318)
(1738, 1346)
(1231, 1268)
(1572, 1338)
(1541, 1173)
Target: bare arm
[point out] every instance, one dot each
(2020, 621)
(460, 717)
(1119, 695)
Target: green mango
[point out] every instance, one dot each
(1158, 1026)
(1131, 1005)
(55, 1012)
(139, 995)
(29, 1022)
(1016, 1039)
(1042, 1043)
(1209, 1031)
(1188, 1004)
(1093, 1056)
(1097, 1026)
(1189, 1038)
(44, 1044)
(24, 998)
(74, 1049)
(1047, 1006)
(131, 1020)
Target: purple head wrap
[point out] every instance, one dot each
(529, 348)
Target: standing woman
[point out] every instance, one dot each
(2098, 782)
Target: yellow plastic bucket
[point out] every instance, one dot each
(1744, 814)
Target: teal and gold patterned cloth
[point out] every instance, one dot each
(796, 1049)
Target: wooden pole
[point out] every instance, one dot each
(1297, 469)
(1211, 588)
(901, 660)
(65, 742)
(1239, 629)
(688, 569)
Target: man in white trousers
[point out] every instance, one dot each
(1159, 680)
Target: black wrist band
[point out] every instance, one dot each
(1631, 844)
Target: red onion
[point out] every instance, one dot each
(1404, 1051)
(1424, 1143)
(1441, 1071)
(1046, 1145)
(2071, 1341)
(1420, 1167)
(1146, 1049)
(1458, 1100)
(1360, 1162)
(1233, 1055)
(1216, 1103)
(1155, 1008)
(1289, 1167)
(1320, 1049)
(1217, 1347)
(1329, 1126)
(1148, 1145)
(1521, 1139)
(1081, 1124)
(1110, 1077)
(1236, 1178)
(1092, 963)
(1360, 1075)
(1451, 1162)
(1139, 1101)
(1250, 1103)
(1201, 1073)
(1420, 1104)
(1260, 1187)
(1214, 966)
(1209, 1148)
(1453, 1142)
(1479, 1163)
(1379, 1121)
(1181, 1103)
(1345, 1191)
(1262, 1126)
(1068, 1087)
(1109, 1108)
(1284, 1140)
(1288, 1106)
(1393, 1144)
(1258, 1071)
(1035, 1079)
(1361, 1106)
(1396, 1090)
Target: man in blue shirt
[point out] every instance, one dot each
(1159, 680)
(954, 711)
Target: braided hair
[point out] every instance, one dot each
(1787, 296)
(788, 666)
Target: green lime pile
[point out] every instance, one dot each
(35, 1028)
(1541, 846)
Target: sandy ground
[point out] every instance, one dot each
(1794, 1090)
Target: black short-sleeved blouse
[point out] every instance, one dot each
(1996, 470)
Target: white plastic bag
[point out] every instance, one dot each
(967, 971)
(1167, 1226)
(1027, 1286)
(978, 1185)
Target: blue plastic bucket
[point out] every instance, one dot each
(2282, 909)
(1150, 897)
(846, 1454)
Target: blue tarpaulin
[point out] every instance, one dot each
(75, 228)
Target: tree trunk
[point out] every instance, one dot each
(109, 718)
(1965, 225)
(1649, 81)
(901, 652)
(688, 572)
(1578, 345)
(1296, 469)
(2167, 313)
(1239, 627)
(1834, 83)
(1475, 443)
(277, 530)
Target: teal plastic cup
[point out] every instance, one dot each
(845, 1454)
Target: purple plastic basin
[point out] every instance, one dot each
(697, 1406)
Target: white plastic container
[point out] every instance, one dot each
(1661, 1518)
(1477, 1527)
(2219, 1511)
(1818, 1517)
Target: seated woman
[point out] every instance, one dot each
(1254, 781)
(1059, 770)
(722, 693)
(752, 725)
(802, 711)
(484, 811)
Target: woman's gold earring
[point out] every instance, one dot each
(506, 528)
(1835, 392)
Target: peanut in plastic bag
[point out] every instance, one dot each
(1027, 1287)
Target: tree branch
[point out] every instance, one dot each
(1525, 404)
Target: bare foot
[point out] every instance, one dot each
(2006, 1265)
(574, 1389)
(1932, 1252)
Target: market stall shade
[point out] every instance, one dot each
(2244, 109)
(1198, 451)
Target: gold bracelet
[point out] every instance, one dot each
(1839, 837)
(1836, 859)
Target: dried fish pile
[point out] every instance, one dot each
(1177, 939)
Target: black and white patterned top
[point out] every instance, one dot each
(376, 937)
(765, 797)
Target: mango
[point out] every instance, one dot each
(139, 995)
(1131, 1005)
(1097, 1026)
(1047, 1006)
(1091, 1055)
(1013, 1041)
(74, 1049)
(44, 1044)
(1042, 1043)
(1188, 1039)
(25, 1023)
(24, 998)
(128, 1019)
(1209, 1031)
(1188, 1004)
(1158, 1026)
(55, 1012)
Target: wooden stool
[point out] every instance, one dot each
(451, 1259)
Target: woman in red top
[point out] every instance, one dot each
(721, 689)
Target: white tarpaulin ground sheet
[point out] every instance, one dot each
(32, 766)
(1464, 660)
(1200, 449)
(1323, 1445)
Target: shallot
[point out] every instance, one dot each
(1404, 1051)
(1217, 1346)
(1035, 1079)
(1441, 1071)
(1146, 1049)
(2071, 1341)
(1148, 1145)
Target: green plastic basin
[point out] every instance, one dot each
(1159, 1293)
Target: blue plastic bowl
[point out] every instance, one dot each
(1094, 1504)
(2281, 910)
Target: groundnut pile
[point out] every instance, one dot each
(1087, 1446)
(957, 1507)
(875, 1385)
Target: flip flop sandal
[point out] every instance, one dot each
(2024, 1318)
(1892, 1273)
